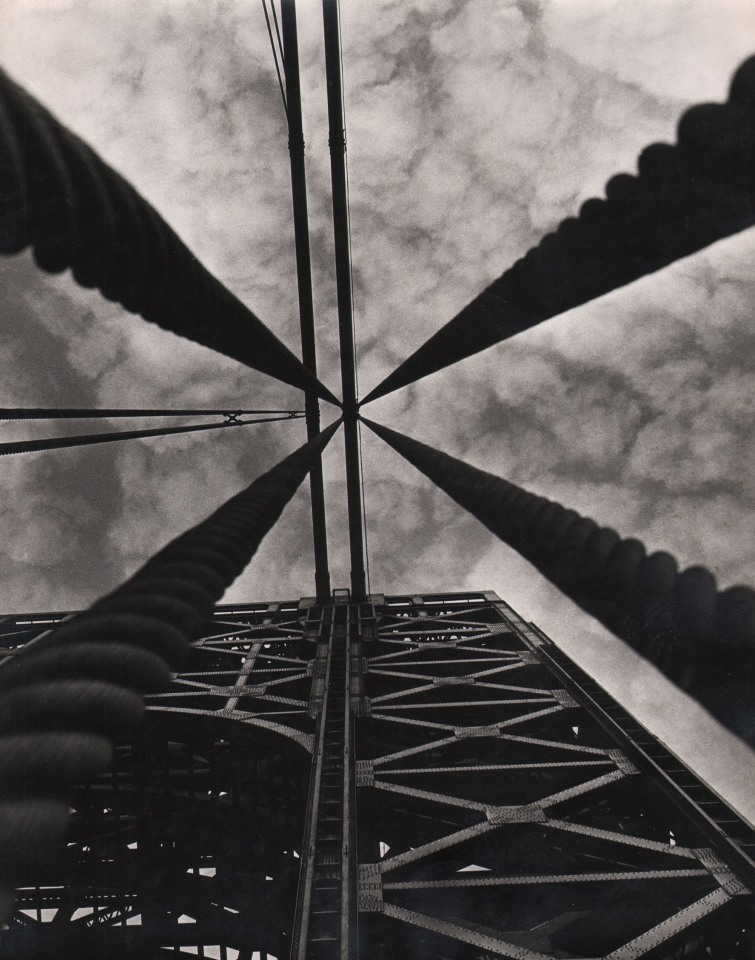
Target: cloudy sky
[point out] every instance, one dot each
(474, 126)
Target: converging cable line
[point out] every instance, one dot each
(701, 638)
(276, 50)
(58, 443)
(83, 216)
(337, 144)
(684, 197)
(290, 57)
(111, 413)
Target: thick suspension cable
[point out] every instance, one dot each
(702, 639)
(70, 692)
(59, 197)
(113, 413)
(684, 198)
(60, 443)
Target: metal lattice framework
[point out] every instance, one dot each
(450, 782)
(431, 772)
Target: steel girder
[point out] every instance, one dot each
(430, 773)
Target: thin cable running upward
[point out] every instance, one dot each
(275, 52)
(348, 203)
(278, 36)
(296, 148)
(364, 512)
(353, 311)
(337, 147)
(60, 443)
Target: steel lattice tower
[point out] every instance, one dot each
(352, 774)
(414, 776)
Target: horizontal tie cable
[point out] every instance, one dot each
(702, 639)
(111, 413)
(68, 693)
(683, 198)
(60, 443)
(59, 197)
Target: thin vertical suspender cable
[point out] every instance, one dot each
(353, 321)
(337, 147)
(278, 35)
(275, 53)
(364, 512)
(304, 284)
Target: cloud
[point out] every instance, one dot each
(650, 44)
(473, 128)
(75, 522)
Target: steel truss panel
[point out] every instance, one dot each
(419, 776)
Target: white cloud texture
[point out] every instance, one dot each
(473, 128)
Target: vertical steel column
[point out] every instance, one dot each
(326, 909)
(304, 281)
(337, 141)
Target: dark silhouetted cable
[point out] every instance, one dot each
(304, 284)
(275, 51)
(702, 639)
(337, 144)
(364, 513)
(113, 413)
(683, 198)
(60, 443)
(59, 197)
(281, 50)
(64, 698)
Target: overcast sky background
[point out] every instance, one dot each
(473, 128)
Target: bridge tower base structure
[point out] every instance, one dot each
(419, 776)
